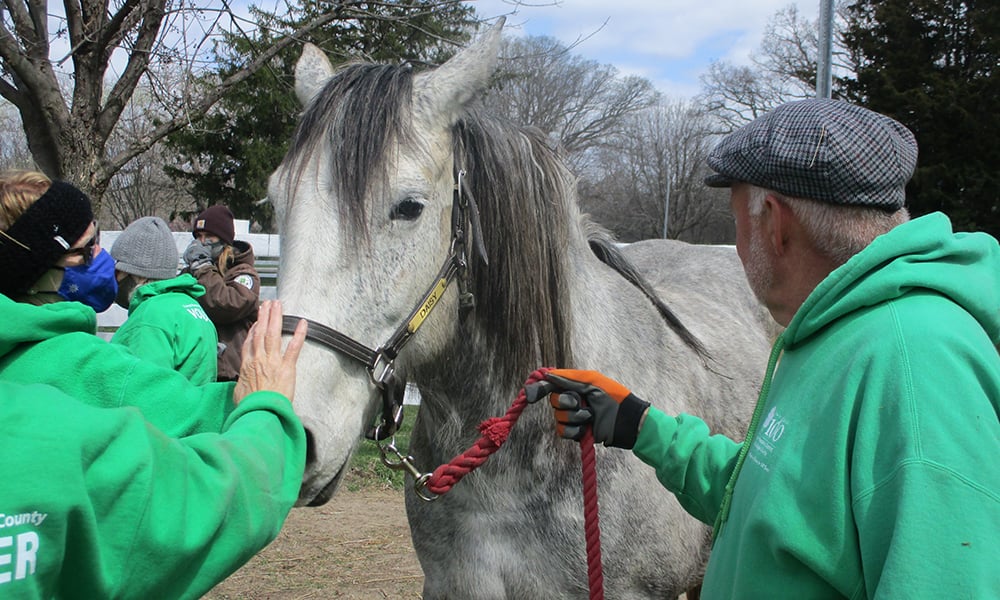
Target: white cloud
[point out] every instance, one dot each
(669, 42)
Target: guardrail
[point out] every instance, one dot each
(267, 267)
(266, 249)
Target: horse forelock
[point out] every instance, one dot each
(361, 113)
(523, 191)
(359, 120)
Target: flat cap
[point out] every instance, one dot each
(820, 149)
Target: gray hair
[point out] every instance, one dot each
(838, 231)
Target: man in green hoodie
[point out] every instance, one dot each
(165, 324)
(869, 468)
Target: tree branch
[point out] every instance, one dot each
(200, 106)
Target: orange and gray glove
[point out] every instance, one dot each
(583, 397)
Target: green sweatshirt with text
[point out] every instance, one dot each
(56, 344)
(871, 469)
(167, 326)
(97, 503)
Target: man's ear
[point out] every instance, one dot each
(779, 221)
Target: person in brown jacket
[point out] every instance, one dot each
(225, 266)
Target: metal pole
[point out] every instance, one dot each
(666, 204)
(824, 73)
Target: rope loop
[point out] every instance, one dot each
(494, 432)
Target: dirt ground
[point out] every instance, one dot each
(356, 546)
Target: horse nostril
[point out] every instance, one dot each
(310, 447)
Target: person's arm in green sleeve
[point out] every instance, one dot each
(208, 502)
(689, 461)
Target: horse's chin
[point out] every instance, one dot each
(307, 497)
(316, 488)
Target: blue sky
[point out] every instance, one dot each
(669, 42)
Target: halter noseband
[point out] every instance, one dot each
(380, 361)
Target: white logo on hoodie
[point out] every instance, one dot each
(765, 439)
(19, 552)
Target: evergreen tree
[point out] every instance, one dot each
(933, 65)
(226, 157)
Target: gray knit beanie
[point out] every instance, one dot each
(146, 248)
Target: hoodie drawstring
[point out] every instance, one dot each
(727, 499)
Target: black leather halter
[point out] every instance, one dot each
(380, 361)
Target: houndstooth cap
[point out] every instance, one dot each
(820, 149)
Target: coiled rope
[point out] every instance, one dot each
(494, 432)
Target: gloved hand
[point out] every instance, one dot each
(197, 255)
(581, 397)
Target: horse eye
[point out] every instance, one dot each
(407, 210)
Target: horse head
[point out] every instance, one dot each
(364, 200)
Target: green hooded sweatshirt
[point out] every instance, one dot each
(167, 326)
(870, 467)
(56, 344)
(96, 503)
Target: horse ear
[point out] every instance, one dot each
(444, 91)
(312, 71)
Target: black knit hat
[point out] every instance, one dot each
(217, 220)
(41, 235)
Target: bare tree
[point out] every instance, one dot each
(14, 152)
(660, 153)
(783, 68)
(112, 46)
(141, 187)
(736, 95)
(579, 102)
(627, 147)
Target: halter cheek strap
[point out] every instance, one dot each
(380, 361)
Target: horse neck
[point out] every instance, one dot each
(475, 380)
(494, 350)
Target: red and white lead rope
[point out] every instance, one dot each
(494, 433)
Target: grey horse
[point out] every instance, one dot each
(366, 199)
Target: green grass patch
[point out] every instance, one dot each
(367, 469)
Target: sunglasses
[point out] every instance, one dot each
(86, 252)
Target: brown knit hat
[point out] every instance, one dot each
(217, 220)
(41, 235)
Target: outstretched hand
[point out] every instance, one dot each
(580, 398)
(265, 366)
